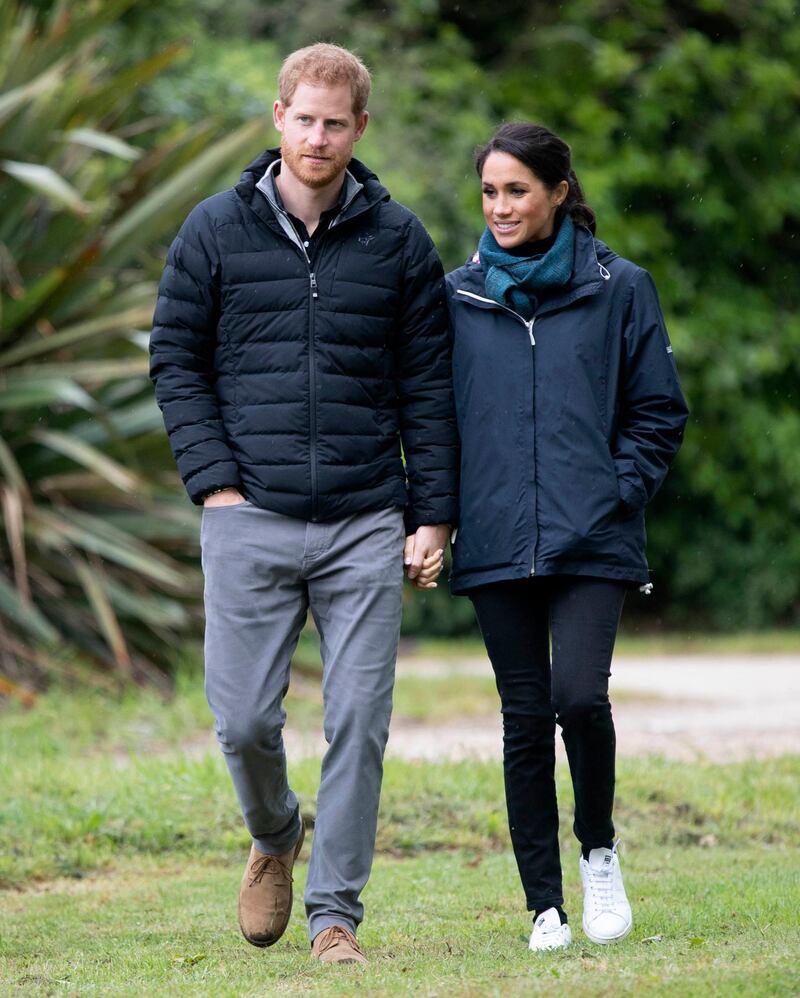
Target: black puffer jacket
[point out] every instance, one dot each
(297, 387)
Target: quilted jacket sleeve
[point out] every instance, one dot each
(653, 412)
(182, 359)
(424, 387)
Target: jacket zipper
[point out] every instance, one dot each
(313, 296)
(528, 324)
(312, 372)
(312, 389)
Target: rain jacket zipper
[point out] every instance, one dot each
(528, 324)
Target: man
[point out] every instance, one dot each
(299, 337)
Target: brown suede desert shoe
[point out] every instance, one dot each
(336, 944)
(265, 896)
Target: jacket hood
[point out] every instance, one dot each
(373, 191)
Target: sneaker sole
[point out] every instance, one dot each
(263, 943)
(606, 940)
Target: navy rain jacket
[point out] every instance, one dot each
(297, 387)
(568, 423)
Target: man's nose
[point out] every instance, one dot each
(317, 136)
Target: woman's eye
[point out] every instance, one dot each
(518, 192)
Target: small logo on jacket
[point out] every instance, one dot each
(366, 238)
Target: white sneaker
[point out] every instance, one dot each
(548, 932)
(607, 915)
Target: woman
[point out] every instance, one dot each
(570, 412)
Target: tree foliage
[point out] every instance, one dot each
(683, 119)
(95, 533)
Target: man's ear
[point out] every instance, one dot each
(278, 114)
(361, 125)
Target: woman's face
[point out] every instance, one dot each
(517, 206)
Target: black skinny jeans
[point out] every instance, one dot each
(518, 620)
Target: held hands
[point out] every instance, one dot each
(227, 497)
(424, 555)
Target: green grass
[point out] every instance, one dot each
(785, 641)
(443, 699)
(436, 925)
(121, 869)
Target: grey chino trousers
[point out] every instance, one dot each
(263, 572)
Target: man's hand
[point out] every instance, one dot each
(228, 497)
(424, 555)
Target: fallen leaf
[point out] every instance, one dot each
(188, 961)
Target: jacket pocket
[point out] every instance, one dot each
(227, 506)
(632, 493)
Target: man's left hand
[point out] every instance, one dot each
(424, 554)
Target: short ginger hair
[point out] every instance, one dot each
(325, 65)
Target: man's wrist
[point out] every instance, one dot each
(214, 492)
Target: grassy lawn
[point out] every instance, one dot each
(785, 641)
(120, 861)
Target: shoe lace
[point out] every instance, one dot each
(335, 935)
(266, 863)
(602, 882)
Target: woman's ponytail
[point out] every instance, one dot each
(575, 205)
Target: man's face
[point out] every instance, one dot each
(318, 130)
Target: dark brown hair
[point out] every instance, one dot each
(547, 157)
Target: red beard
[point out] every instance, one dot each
(313, 175)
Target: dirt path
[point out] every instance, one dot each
(682, 707)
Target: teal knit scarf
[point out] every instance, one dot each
(516, 281)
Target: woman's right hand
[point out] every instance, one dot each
(430, 571)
